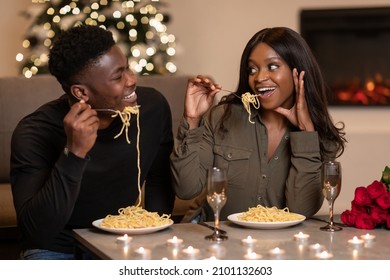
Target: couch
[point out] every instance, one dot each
(20, 96)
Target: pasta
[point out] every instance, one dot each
(248, 99)
(133, 217)
(126, 117)
(268, 214)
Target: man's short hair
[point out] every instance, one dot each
(76, 50)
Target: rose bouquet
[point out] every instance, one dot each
(370, 207)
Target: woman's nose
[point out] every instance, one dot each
(261, 77)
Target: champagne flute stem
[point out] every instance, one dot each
(216, 221)
(331, 212)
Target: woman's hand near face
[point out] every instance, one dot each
(81, 125)
(199, 98)
(299, 114)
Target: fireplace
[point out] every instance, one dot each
(352, 47)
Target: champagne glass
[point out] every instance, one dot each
(331, 187)
(216, 198)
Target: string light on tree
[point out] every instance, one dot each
(138, 28)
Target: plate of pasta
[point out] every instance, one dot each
(260, 217)
(133, 220)
(130, 231)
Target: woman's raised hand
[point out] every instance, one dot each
(299, 114)
(199, 98)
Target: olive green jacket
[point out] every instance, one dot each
(291, 178)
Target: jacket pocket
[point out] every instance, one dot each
(236, 161)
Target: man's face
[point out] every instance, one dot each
(110, 83)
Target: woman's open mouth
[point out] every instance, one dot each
(265, 91)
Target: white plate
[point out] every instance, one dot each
(264, 225)
(130, 231)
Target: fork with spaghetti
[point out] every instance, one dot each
(247, 99)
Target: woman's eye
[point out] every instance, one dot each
(252, 70)
(273, 67)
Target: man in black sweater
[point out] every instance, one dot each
(72, 164)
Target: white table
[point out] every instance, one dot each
(103, 245)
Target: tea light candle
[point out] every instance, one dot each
(249, 241)
(144, 253)
(356, 242)
(252, 256)
(301, 236)
(316, 248)
(276, 252)
(324, 255)
(124, 240)
(368, 240)
(368, 237)
(190, 251)
(174, 241)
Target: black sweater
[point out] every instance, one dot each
(54, 193)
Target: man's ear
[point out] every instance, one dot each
(80, 92)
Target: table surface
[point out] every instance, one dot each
(103, 245)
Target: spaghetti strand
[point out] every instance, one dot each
(134, 216)
(248, 99)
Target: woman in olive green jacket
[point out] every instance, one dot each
(272, 150)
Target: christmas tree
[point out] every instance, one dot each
(138, 28)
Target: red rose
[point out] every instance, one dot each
(348, 218)
(357, 209)
(376, 189)
(364, 221)
(361, 196)
(378, 214)
(370, 206)
(384, 201)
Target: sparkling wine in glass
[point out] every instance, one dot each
(216, 198)
(331, 187)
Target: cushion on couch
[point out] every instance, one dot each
(20, 96)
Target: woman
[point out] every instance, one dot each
(273, 149)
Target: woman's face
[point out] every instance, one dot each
(271, 78)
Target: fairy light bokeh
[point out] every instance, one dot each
(138, 28)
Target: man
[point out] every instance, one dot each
(72, 164)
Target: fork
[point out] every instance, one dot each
(212, 227)
(227, 90)
(208, 87)
(112, 110)
(107, 110)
